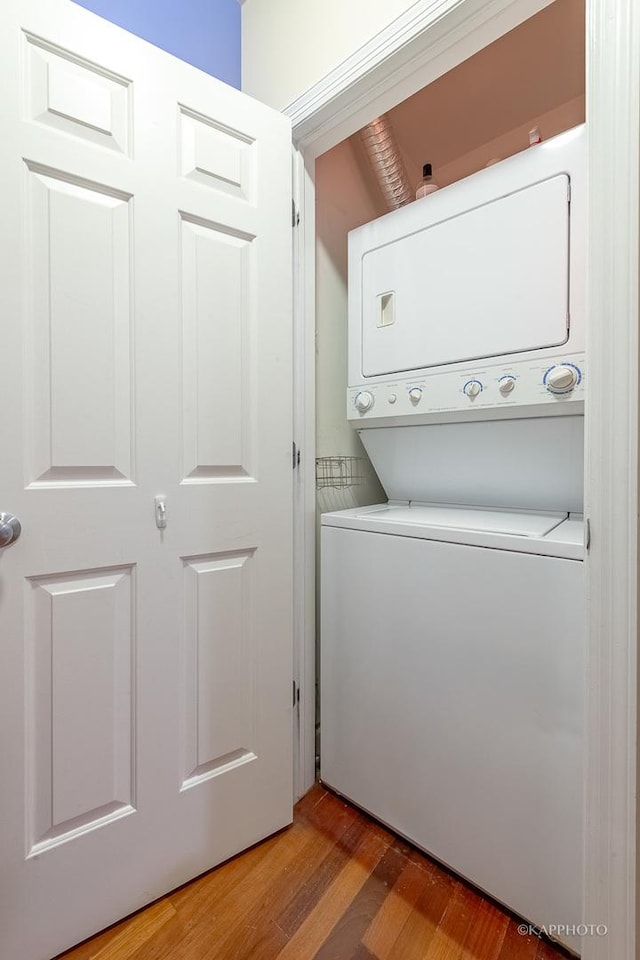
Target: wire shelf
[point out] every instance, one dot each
(340, 472)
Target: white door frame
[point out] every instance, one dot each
(304, 487)
(422, 44)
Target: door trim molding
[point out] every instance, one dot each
(304, 487)
(428, 40)
(613, 117)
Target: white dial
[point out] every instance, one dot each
(364, 401)
(506, 385)
(415, 394)
(562, 379)
(472, 388)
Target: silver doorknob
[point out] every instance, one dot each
(9, 529)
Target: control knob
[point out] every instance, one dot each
(561, 379)
(472, 389)
(415, 395)
(364, 401)
(506, 385)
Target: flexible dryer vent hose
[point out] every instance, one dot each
(387, 164)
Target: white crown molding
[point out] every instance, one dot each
(397, 62)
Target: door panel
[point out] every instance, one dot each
(219, 665)
(217, 156)
(216, 317)
(79, 643)
(80, 313)
(145, 303)
(75, 96)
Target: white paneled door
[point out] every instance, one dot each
(145, 445)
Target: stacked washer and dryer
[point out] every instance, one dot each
(453, 616)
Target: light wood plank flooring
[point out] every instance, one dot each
(333, 886)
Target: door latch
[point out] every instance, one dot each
(161, 512)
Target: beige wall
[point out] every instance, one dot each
(484, 107)
(288, 45)
(564, 117)
(346, 197)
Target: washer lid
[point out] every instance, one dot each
(547, 534)
(460, 518)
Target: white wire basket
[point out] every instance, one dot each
(340, 472)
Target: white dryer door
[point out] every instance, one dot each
(493, 280)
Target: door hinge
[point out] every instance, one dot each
(296, 694)
(295, 455)
(295, 214)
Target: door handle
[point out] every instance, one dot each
(9, 529)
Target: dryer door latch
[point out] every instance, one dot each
(587, 533)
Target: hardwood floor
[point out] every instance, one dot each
(333, 886)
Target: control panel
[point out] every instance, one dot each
(483, 391)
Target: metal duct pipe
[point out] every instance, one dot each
(386, 162)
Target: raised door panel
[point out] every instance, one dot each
(217, 309)
(79, 418)
(218, 665)
(80, 648)
(216, 155)
(75, 97)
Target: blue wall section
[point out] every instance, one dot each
(205, 33)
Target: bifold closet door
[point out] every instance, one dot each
(145, 610)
